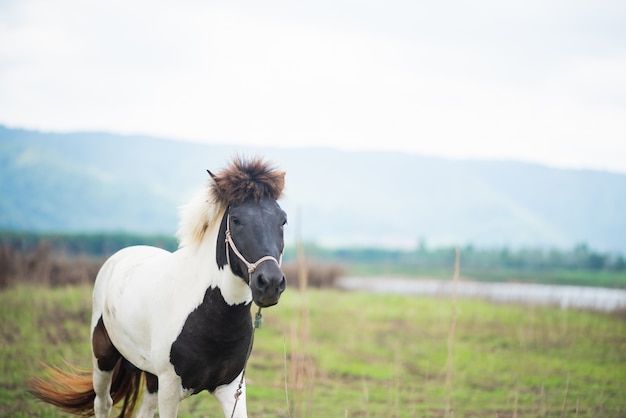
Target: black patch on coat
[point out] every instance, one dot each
(130, 366)
(103, 349)
(220, 248)
(220, 252)
(152, 383)
(212, 348)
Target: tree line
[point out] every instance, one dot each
(88, 244)
(580, 257)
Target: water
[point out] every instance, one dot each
(579, 297)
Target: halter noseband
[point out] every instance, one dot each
(251, 266)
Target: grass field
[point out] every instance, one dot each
(328, 353)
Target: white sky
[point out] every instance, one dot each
(534, 80)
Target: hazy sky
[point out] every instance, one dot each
(536, 80)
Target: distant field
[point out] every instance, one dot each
(329, 353)
(610, 279)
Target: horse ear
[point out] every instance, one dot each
(218, 191)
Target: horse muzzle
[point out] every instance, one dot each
(267, 283)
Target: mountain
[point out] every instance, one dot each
(105, 182)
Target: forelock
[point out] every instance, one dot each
(246, 179)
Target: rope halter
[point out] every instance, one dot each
(258, 320)
(251, 266)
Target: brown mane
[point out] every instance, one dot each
(247, 179)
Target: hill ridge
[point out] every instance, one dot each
(97, 181)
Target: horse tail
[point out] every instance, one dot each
(72, 391)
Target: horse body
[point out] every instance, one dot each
(146, 326)
(183, 318)
(138, 294)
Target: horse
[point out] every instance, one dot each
(181, 321)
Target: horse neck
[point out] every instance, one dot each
(234, 290)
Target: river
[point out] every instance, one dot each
(578, 297)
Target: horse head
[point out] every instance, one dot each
(250, 239)
(254, 247)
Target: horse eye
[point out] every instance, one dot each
(235, 221)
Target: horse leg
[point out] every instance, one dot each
(105, 357)
(170, 394)
(226, 395)
(103, 402)
(150, 397)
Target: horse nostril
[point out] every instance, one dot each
(261, 282)
(282, 285)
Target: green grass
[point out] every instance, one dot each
(363, 355)
(38, 325)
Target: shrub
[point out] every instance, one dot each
(43, 266)
(317, 274)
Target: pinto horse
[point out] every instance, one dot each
(183, 319)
